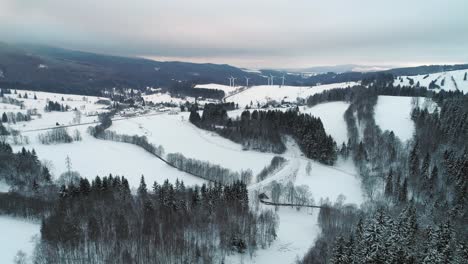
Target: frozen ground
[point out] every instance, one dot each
(264, 93)
(393, 113)
(458, 83)
(16, 234)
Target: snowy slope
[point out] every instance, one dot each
(91, 157)
(226, 88)
(332, 116)
(450, 85)
(176, 134)
(264, 93)
(393, 113)
(297, 230)
(16, 234)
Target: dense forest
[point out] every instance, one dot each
(263, 130)
(168, 224)
(417, 191)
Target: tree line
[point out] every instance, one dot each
(262, 130)
(59, 135)
(207, 170)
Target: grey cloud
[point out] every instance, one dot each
(248, 32)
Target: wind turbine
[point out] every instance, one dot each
(268, 79)
(282, 83)
(247, 81)
(272, 77)
(230, 81)
(233, 81)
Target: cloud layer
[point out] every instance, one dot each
(251, 33)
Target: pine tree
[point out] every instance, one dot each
(142, 191)
(389, 184)
(414, 169)
(4, 118)
(403, 195)
(465, 77)
(433, 180)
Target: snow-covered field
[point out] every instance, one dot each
(16, 234)
(332, 116)
(92, 157)
(393, 113)
(457, 83)
(264, 93)
(176, 134)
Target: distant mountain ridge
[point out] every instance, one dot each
(35, 67)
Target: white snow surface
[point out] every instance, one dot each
(393, 113)
(176, 134)
(16, 234)
(449, 85)
(332, 116)
(92, 157)
(264, 93)
(297, 231)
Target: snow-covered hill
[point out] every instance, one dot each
(393, 113)
(264, 93)
(332, 116)
(226, 88)
(176, 134)
(448, 81)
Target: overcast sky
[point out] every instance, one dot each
(249, 33)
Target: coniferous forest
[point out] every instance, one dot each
(263, 130)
